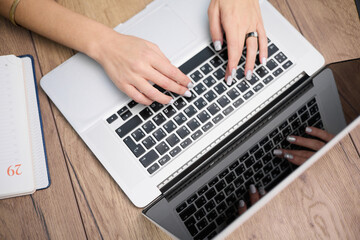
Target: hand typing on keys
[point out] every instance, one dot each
(298, 157)
(255, 195)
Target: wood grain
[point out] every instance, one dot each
(43, 214)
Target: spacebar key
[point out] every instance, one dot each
(128, 126)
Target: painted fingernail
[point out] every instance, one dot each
(248, 75)
(229, 80)
(217, 45)
(263, 61)
(277, 152)
(233, 73)
(308, 130)
(241, 204)
(262, 191)
(187, 93)
(288, 156)
(252, 188)
(190, 85)
(291, 138)
(171, 101)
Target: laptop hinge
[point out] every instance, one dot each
(233, 139)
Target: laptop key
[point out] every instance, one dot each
(190, 111)
(209, 81)
(196, 76)
(200, 214)
(169, 111)
(193, 124)
(153, 168)
(217, 118)
(248, 95)
(267, 168)
(238, 102)
(179, 103)
(253, 79)
(268, 79)
(248, 173)
(193, 96)
(186, 143)
(136, 149)
(196, 135)
(146, 113)
(190, 225)
(271, 64)
(221, 208)
(155, 106)
(148, 126)
(277, 72)
(162, 148)
(233, 93)
(200, 202)
(207, 126)
(128, 126)
(200, 88)
(180, 118)
(210, 96)
(192, 199)
(132, 104)
(201, 225)
(261, 71)
(213, 181)
(218, 198)
(210, 205)
(230, 177)
(112, 118)
(287, 64)
(181, 207)
(200, 103)
(148, 142)
(138, 134)
(223, 101)
(169, 126)
(196, 60)
(258, 87)
(220, 88)
(206, 68)
(228, 110)
(211, 216)
(164, 159)
(238, 181)
(242, 86)
(172, 140)
(213, 109)
(203, 116)
(272, 49)
(190, 210)
(219, 74)
(210, 193)
(280, 57)
(159, 134)
(126, 115)
(216, 61)
(250, 161)
(159, 119)
(183, 132)
(224, 55)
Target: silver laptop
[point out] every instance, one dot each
(147, 148)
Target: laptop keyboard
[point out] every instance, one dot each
(213, 206)
(157, 133)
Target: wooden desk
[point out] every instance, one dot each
(84, 201)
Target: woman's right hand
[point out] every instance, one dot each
(132, 62)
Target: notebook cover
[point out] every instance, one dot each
(39, 145)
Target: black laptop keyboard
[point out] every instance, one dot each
(213, 206)
(158, 133)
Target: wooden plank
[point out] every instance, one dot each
(43, 214)
(321, 203)
(331, 26)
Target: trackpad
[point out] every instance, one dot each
(164, 28)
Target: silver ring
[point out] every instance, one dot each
(251, 34)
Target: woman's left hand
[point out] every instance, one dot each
(237, 18)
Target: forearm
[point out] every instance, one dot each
(57, 23)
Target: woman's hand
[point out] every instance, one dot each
(298, 157)
(237, 18)
(255, 196)
(132, 62)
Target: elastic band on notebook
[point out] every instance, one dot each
(12, 11)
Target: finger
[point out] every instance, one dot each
(262, 44)
(297, 157)
(134, 94)
(242, 207)
(172, 72)
(215, 25)
(152, 93)
(306, 142)
(254, 194)
(316, 132)
(235, 45)
(166, 83)
(251, 50)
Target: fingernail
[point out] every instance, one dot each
(248, 75)
(241, 204)
(263, 61)
(308, 130)
(217, 45)
(277, 152)
(288, 156)
(233, 73)
(171, 101)
(229, 80)
(252, 188)
(291, 138)
(187, 93)
(262, 191)
(190, 85)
